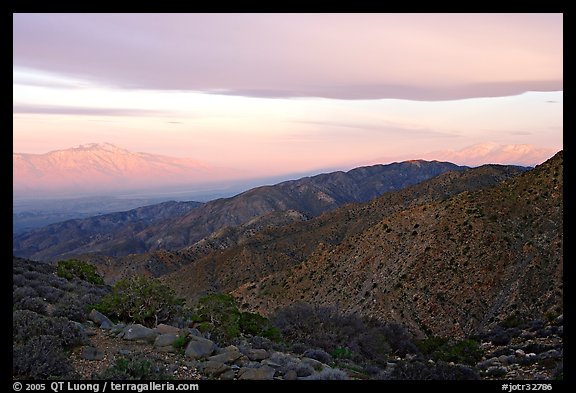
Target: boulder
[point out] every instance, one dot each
(165, 340)
(138, 332)
(291, 376)
(99, 318)
(165, 329)
(214, 368)
(261, 373)
(227, 356)
(195, 332)
(228, 375)
(200, 347)
(257, 354)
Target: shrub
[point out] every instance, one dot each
(343, 335)
(71, 268)
(440, 371)
(35, 304)
(41, 357)
(257, 325)
(23, 292)
(318, 354)
(330, 374)
(466, 351)
(133, 368)
(142, 300)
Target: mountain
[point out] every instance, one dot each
(214, 265)
(448, 267)
(308, 197)
(99, 230)
(98, 168)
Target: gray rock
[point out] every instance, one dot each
(291, 376)
(199, 348)
(214, 368)
(228, 375)
(488, 363)
(165, 340)
(98, 317)
(503, 359)
(138, 332)
(124, 352)
(315, 364)
(551, 354)
(165, 329)
(195, 332)
(118, 328)
(229, 356)
(560, 319)
(560, 331)
(257, 354)
(262, 373)
(106, 325)
(268, 362)
(520, 353)
(91, 353)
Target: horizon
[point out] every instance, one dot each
(253, 93)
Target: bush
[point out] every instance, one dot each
(71, 268)
(142, 300)
(28, 324)
(133, 368)
(343, 335)
(41, 357)
(440, 371)
(257, 325)
(318, 354)
(330, 374)
(35, 304)
(466, 351)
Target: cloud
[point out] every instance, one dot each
(494, 153)
(82, 111)
(338, 56)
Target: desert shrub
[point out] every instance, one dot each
(41, 357)
(330, 374)
(142, 300)
(318, 354)
(27, 324)
(257, 325)
(342, 335)
(133, 368)
(72, 268)
(51, 294)
(71, 310)
(35, 304)
(23, 292)
(406, 370)
(465, 351)
(18, 280)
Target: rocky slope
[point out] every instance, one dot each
(308, 196)
(447, 267)
(212, 265)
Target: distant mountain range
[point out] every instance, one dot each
(307, 197)
(98, 168)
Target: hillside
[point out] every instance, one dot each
(309, 196)
(447, 267)
(93, 233)
(218, 267)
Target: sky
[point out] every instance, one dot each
(283, 93)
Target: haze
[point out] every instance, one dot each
(269, 94)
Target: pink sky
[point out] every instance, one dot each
(291, 92)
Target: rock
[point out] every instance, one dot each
(268, 362)
(559, 320)
(291, 376)
(551, 354)
(262, 373)
(503, 359)
(124, 352)
(118, 328)
(138, 332)
(315, 364)
(165, 340)
(165, 329)
(91, 353)
(228, 375)
(560, 331)
(200, 347)
(230, 356)
(257, 354)
(98, 317)
(488, 363)
(520, 353)
(106, 325)
(214, 368)
(194, 332)
(531, 355)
